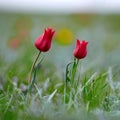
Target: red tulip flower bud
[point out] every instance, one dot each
(43, 43)
(81, 49)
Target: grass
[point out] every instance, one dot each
(97, 97)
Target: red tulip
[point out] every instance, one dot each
(81, 49)
(43, 43)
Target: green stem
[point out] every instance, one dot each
(73, 71)
(79, 76)
(33, 66)
(74, 68)
(73, 81)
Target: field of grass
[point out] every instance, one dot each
(96, 97)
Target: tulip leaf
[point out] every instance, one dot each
(34, 74)
(67, 73)
(33, 80)
(74, 67)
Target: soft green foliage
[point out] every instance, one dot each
(47, 98)
(95, 90)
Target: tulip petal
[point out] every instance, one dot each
(43, 43)
(80, 50)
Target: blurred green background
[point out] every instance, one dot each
(19, 31)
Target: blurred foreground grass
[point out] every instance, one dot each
(100, 97)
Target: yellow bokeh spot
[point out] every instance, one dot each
(64, 37)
